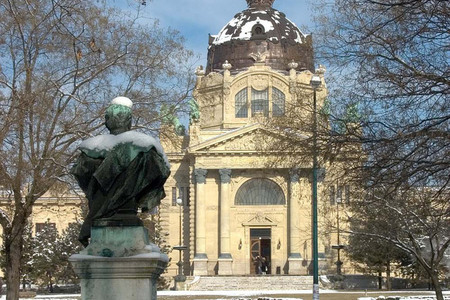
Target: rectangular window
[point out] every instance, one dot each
(174, 196)
(41, 226)
(332, 195)
(347, 194)
(181, 195)
(339, 194)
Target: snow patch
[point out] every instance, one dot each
(106, 142)
(259, 12)
(122, 101)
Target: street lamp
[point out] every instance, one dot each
(338, 247)
(315, 84)
(180, 277)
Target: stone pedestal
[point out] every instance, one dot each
(200, 265)
(119, 263)
(225, 265)
(296, 265)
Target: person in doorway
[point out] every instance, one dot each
(264, 265)
(258, 265)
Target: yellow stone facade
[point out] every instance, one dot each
(223, 153)
(58, 206)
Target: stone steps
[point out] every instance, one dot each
(250, 283)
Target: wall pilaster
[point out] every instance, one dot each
(200, 258)
(295, 259)
(225, 258)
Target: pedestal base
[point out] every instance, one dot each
(118, 264)
(200, 265)
(297, 265)
(225, 264)
(119, 278)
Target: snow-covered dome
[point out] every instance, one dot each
(260, 34)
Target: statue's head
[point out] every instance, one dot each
(118, 115)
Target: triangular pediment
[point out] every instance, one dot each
(252, 138)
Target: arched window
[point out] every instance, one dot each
(260, 191)
(258, 32)
(278, 103)
(240, 104)
(260, 102)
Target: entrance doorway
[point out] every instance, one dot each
(260, 246)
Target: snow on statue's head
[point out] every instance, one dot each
(118, 115)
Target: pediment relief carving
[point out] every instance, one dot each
(251, 141)
(251, 138)
(259, 219)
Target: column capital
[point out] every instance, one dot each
(321, 173)
(225, 175)
(294, 175)
(200, 175)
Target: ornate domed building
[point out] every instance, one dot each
(235, 207)
(260, 34)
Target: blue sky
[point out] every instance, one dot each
(195, 19)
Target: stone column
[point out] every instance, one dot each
(200, 257)
(225, 258)
(295, 259)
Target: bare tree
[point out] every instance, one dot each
(61, 62)
(391, 59)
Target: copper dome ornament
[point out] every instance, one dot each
(260, 4)
(260, 29)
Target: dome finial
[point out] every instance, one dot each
(260, 4)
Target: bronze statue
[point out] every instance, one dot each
(120, 172)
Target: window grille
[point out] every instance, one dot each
(260, 191)
(41, 226)
(241, 109)
(332, 195)
(278, 103)
(339, 198)
(260, 102)
(347, 194)
(174, 196)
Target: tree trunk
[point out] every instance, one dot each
(437, 287)
(380, 280)
(50, 284)
(388, 276)
(12, 256)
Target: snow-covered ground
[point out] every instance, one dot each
(50, 297)
(370, 295)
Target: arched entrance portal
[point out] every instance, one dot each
(264, 193)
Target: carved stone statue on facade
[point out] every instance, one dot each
(119, 172)
(194, 113)
(168, 117)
